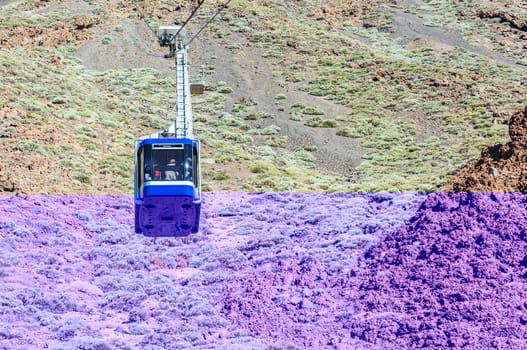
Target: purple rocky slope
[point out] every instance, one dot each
(358, 271)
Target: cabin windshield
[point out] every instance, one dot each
(168, 162)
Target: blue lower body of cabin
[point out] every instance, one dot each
(167, 211)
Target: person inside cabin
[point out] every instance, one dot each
(171, 174)
(188, 169)
(148, 176)
(156, 172)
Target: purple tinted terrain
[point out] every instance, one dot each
(267, 271)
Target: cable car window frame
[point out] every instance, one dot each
(195, 166)
(159, 153)
(147, 160)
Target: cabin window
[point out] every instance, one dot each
(147, 163)
(169, 162)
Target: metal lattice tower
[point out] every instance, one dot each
(183, 121)
(172, 36)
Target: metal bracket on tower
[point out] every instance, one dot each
(171, 36)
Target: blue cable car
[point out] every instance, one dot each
(167, 175)
(167, 186)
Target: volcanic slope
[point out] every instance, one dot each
(363, 271)
(453, 276)
(74, 275)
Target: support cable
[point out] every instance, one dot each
(224, 6)
(190, 17)
(143, 18)
(208, 22)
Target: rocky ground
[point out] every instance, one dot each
(260, 274)
(267, 271)
(502, 167)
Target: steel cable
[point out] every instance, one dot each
(208, 22)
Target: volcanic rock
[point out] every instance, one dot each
(501, 168)
(453, 276)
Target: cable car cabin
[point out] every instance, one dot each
(167, 186)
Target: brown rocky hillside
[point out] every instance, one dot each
(502, 167)
(300, 96)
